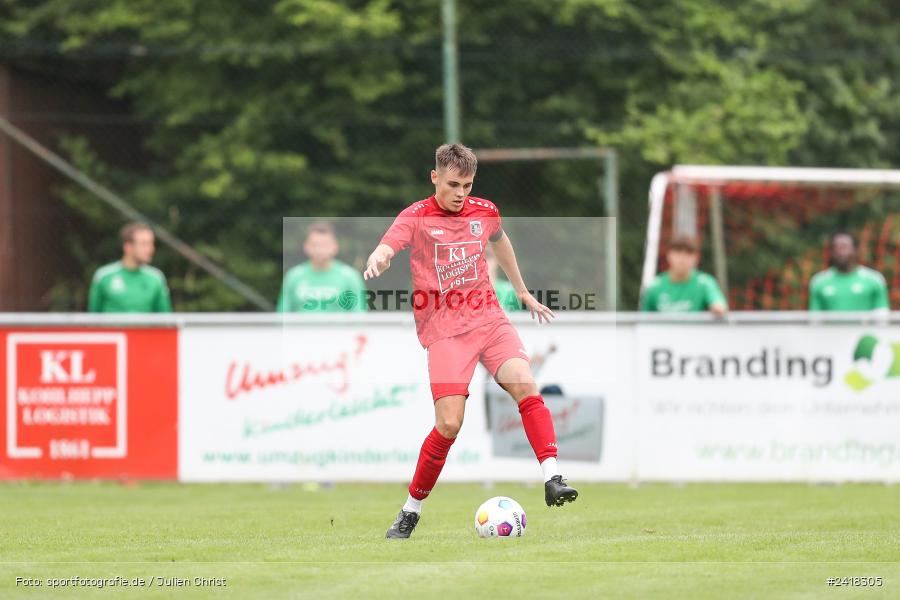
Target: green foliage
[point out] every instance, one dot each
(252, 111)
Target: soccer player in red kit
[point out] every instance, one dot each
(460, 322)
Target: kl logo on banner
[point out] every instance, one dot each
(66, 395)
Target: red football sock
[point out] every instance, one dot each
(431, 461)
(538, 427)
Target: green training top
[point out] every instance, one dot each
(339, 288)
(116, 289)
(506, 295)
(697, 293)
(861, 289)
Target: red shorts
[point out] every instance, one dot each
(451, 361)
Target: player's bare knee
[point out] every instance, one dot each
(521, 389)
(449, 426)
(448, 415)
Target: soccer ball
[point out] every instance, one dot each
(500, 517)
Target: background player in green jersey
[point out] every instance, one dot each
(323, 283)
(131, 284)
(683, 288)
(847, 285)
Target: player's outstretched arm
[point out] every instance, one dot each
(379, 261)
(506, 257)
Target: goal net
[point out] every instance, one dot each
(764, 231)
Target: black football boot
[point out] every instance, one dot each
(404, 525)
(557, 493)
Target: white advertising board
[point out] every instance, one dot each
(352, 402)
(768, 403)
(760, 397)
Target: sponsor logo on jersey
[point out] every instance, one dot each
(437, 232)
(456, 263)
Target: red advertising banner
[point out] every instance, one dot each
(89, 403)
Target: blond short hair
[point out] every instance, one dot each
(455, 156)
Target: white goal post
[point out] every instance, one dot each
(717, 176)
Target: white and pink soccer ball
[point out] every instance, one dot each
(500, 517)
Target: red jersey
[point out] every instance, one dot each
(452, 292)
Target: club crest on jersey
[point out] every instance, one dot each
(475, 227)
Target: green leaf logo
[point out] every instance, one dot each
(865, 351)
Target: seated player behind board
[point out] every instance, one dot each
(683, 288)
(323, 283)
(847, 285)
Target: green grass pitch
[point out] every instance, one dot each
(651, 541)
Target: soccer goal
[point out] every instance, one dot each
(765, 230)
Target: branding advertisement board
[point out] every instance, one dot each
(768, 403)
(89, 403)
